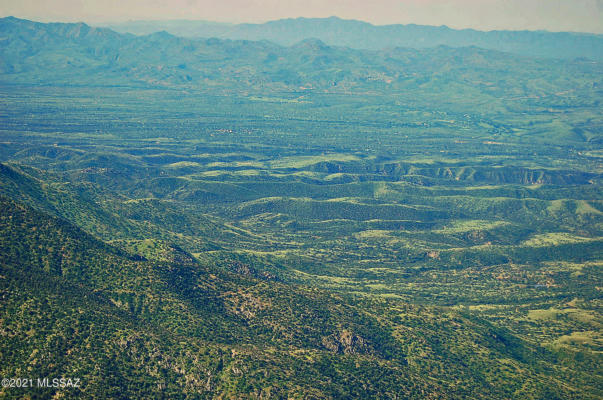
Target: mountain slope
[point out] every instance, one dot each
(62, 285)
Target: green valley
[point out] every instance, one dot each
(191, 218)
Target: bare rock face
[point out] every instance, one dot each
(346, 342)
(433, 254)
(242, 268)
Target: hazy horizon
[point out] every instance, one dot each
(484, 15)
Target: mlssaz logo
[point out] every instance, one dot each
(59, 382)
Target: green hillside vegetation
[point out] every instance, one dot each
(296, 222)
(61, 287)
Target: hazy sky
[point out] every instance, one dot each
(553, 15)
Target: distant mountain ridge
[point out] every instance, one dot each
(77, 54)
(362, 35)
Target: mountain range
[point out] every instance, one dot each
(362, 35)
(80, 54)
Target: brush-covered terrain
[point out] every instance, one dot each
(192, 218)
